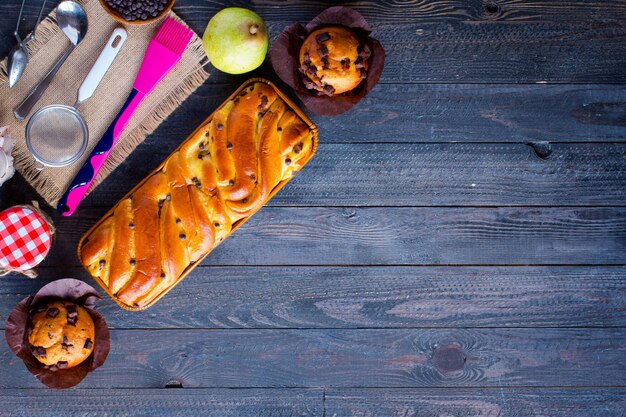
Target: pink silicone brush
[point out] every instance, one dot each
(163, 52)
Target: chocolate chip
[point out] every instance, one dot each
(279, 130)
(132, 262)
(39, 351)
(162, 275)
(201, 146)
(220, 126)
(345, 63)
(322, 37)
(72, 314)
(178, 221)
(66, 343)
(216, 224)
(298, 148)
(329, 89)
(253, 178)
(311, 70)
(182, 236)
(62, 364)
(264, 101)
(306, 58)
(194, 179)
(131, 225)
(88, 344)
(288, 161)
(245, 200)
(52, 312)
(168, 197)
(229, 146)
(102, 263)
(325, 63)
(323, 51)
(231, 183)
(364, 51)
(198, 185)
(161, 202)
(310, 85)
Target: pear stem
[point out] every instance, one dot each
(254, 29)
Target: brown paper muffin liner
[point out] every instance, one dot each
(19, 321)
(285, 56)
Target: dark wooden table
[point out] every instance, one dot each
(457, 247)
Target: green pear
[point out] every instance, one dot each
(235, 40)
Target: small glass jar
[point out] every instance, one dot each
(26, 235)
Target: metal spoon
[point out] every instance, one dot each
(18, 57)
(72, 20)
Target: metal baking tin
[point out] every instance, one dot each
(237, 224)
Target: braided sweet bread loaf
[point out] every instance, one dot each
(220, 176)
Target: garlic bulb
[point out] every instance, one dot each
(6, 160)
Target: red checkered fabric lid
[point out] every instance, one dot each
(24, 239)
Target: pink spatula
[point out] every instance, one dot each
(163, 52)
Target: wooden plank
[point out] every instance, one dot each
(449, 113)
(404, 236)
(456, 41)
(553, 402)
(351, 297)
(161, 402)
(421, 175)
(390, 11)
(352, 358)
(585, 402)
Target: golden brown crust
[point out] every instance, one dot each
(333, 60)
(219, 176)
(63, 334)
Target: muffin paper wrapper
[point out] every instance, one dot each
(285, 56)
(17, 332)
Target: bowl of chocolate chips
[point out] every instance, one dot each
(332, 62)
(137, 12)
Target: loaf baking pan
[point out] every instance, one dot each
(290, 105)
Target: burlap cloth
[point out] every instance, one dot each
(103, 106)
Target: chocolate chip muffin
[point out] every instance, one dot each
(62, 334)
(333, 60)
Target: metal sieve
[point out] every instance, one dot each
(57, 135)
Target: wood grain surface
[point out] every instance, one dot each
(540, 402)
(404, 235)
(167, 402)
(369, 297)
(451, 113)
(546, 402)
(457, 247)
(391, 358)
